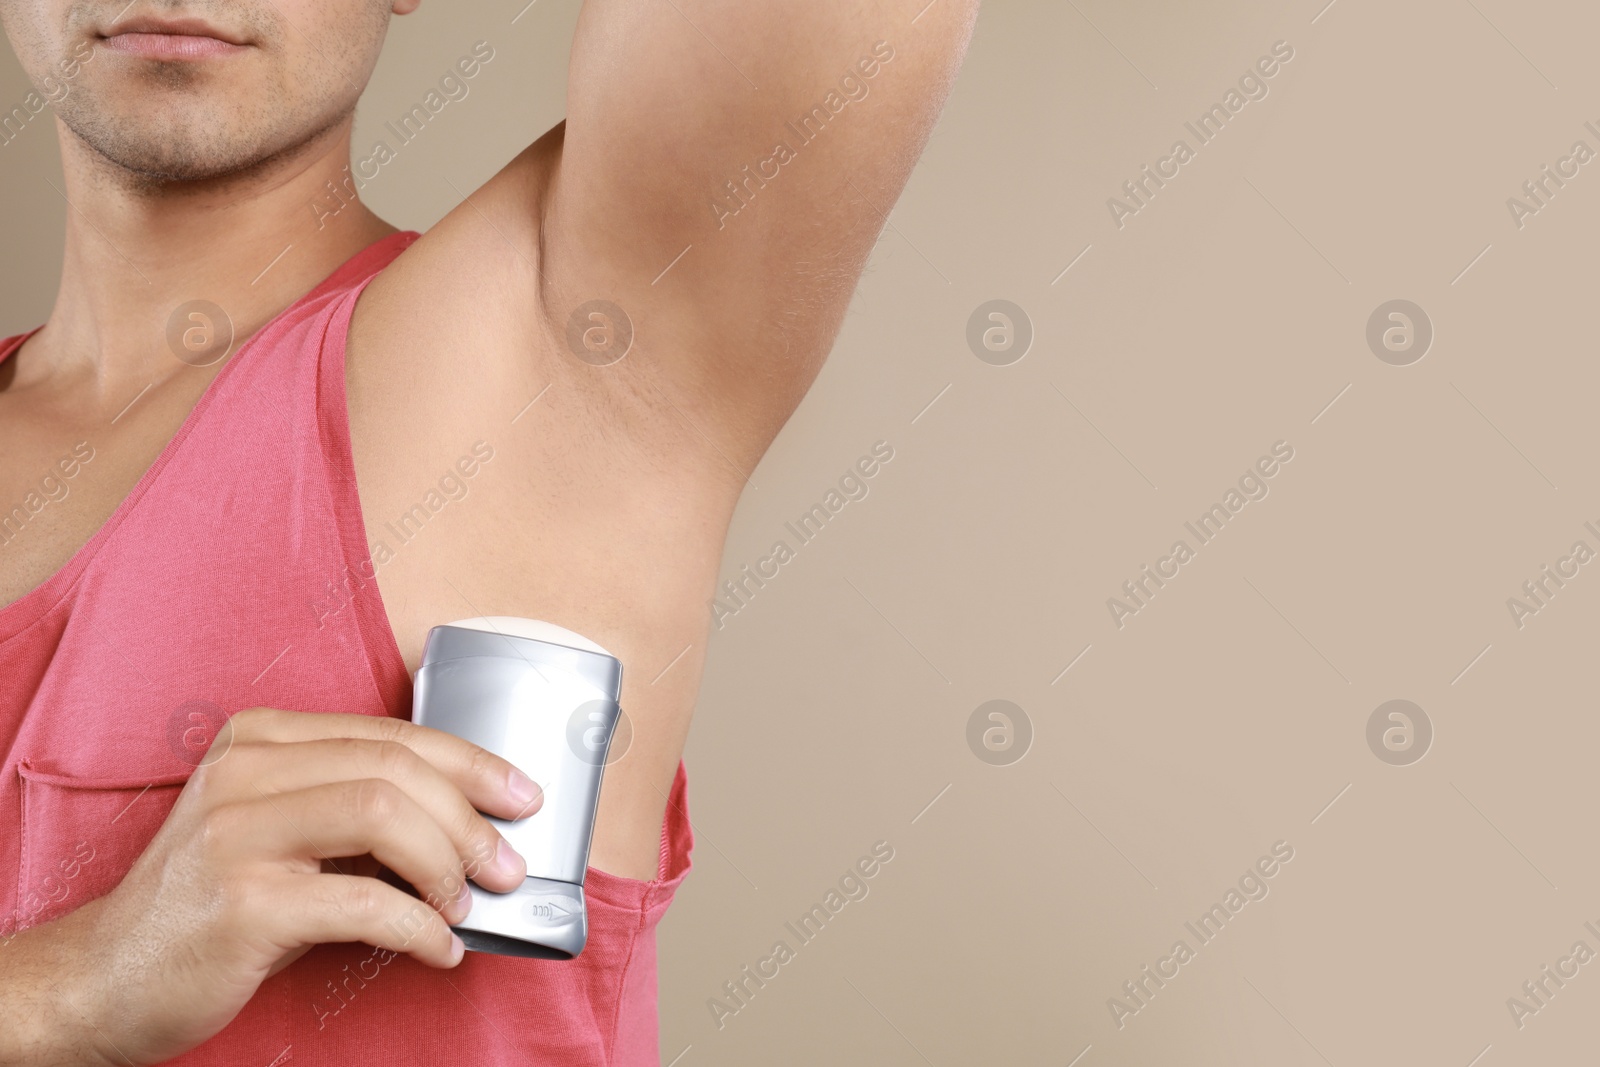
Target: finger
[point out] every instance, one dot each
(270, 769)
(352, 818)
(314, 909)
(491, 783)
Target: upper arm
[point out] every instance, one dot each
(725, 169)
(627, 202)
(609, 493)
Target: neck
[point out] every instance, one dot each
(136, 250)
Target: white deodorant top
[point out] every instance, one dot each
(532, 629)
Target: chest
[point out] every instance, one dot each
(69, 465)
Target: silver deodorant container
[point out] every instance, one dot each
(544, 698)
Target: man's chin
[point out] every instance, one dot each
(195, 142)
(156, 156)
(168, 167)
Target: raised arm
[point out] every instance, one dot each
(726, 168)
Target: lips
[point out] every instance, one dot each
(184, 27)
(171, 39)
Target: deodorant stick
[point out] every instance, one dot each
(545, 699)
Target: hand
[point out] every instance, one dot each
(234, 887)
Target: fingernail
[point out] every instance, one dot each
(463, 903)
(508, 860)
(523, 791)
(457, 949)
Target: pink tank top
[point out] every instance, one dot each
(210, 587)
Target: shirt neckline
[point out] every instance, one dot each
(33, 605)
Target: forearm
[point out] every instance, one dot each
(46, 1002)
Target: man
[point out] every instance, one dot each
(265, 441)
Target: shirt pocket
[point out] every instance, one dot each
(80, 835)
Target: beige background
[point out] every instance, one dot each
(1230, 712)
